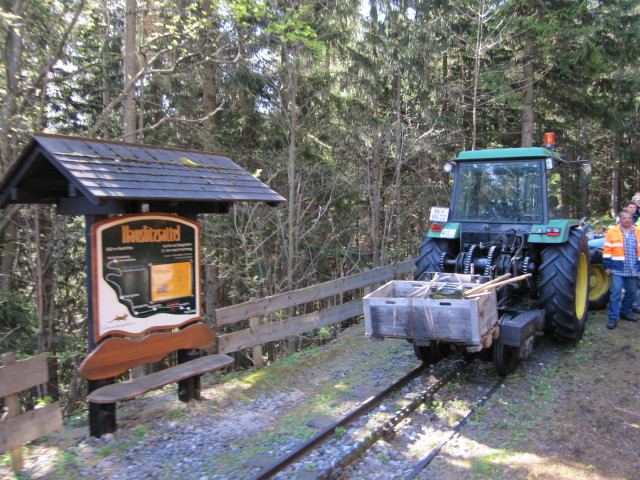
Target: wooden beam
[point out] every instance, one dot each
(23, 375)
(82, 206)
(274, 303)
(22, 429)
(233, 342)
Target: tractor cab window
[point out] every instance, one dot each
(505, 191)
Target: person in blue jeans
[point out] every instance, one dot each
(621, 260)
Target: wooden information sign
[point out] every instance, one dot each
(146, 270)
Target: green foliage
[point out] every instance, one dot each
(18, 326)
(43, 402)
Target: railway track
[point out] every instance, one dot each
(365, 432)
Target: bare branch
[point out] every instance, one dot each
(164, 120)
(6, 334)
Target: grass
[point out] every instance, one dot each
(66, 459)
(296, 426)
(105, 450)
(175, 414)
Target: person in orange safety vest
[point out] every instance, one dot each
(621, 260)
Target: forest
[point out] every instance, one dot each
(348, 109)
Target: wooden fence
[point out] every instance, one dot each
(259, 333)
(20, 428)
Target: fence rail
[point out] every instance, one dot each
(20, 428)
(259, 334)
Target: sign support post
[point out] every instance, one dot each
(102, 416)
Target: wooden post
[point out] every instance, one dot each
(258, 361)
(102, 416)
(189, 388)
(369, 288)
(12, 401)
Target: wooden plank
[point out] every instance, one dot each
(29, 426)
(120, 391)
(116, 355)
(274, 303)
(23, 375)
(408, 266)
(233, 342)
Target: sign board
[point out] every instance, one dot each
(146, 273)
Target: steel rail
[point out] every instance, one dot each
(363, 408)
(387, 429)
(455, 431)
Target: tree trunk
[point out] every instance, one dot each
(375, 177)
(13, 50)
(615, 177)
(292, 233)
(130, 68)
(209, 100)
(584, 187)
(7, 265)
(291, 170)
(526, 136)
(476, 76)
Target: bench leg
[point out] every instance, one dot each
(189, 388)
(102, 416)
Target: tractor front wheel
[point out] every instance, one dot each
(563, 286)
(599, 283)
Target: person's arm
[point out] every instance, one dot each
(607, 249)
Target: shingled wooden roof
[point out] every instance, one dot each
(89, 176)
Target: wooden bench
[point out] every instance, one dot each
(115, 355)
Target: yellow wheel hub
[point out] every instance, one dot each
(599, 282)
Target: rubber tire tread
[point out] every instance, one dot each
(557, 277)
(429, 255)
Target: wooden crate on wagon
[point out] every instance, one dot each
(433, 311)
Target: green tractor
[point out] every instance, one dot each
(504, 219)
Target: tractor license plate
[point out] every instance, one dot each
(448, 233)
(439, 214)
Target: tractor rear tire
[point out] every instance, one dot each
(563, 286)
(429, 256)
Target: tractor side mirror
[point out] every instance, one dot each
(585, 173)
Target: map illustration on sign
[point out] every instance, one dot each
(146, 273)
